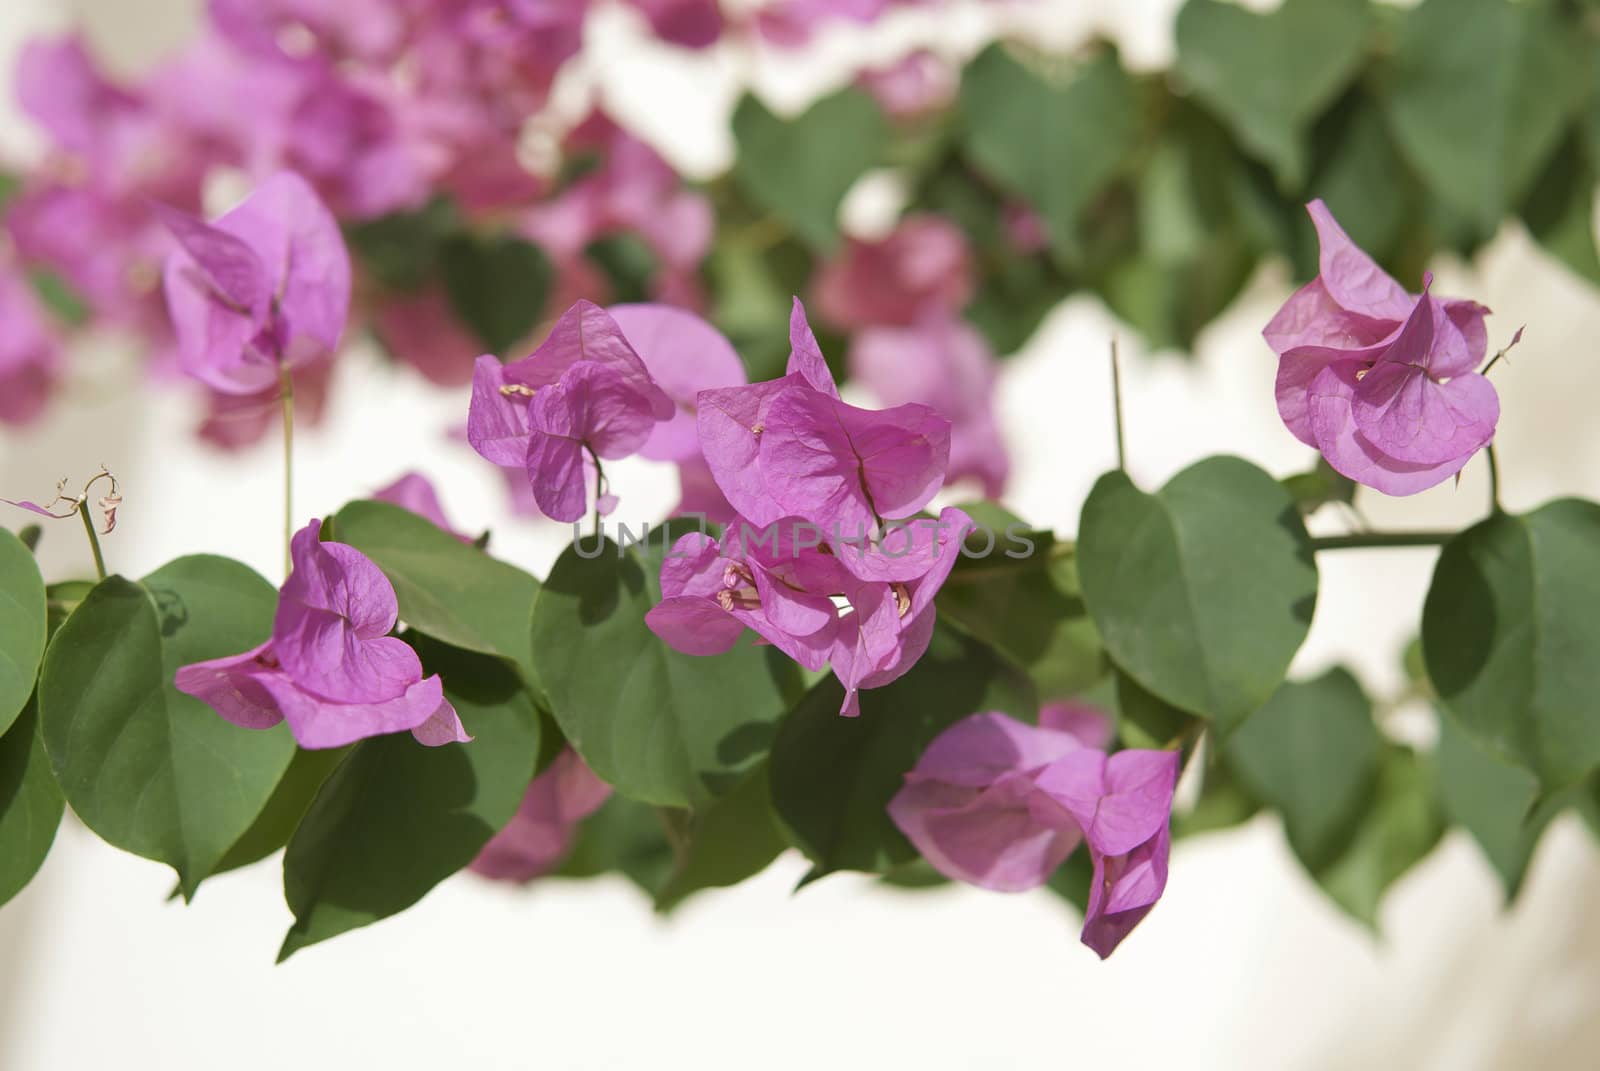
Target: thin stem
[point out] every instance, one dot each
(1494, 480)
(1368, 540)
(1116, 405)
(599, 490)
(94, 539)
(286, 397)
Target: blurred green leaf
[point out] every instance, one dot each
(630, 266)
(1401, 825)
(1559, 210)
(401, 251)
(1312, 755)
(800, 169)
(1054, 143)
(497, 286)
(1270, 75)
(730, 839)
(1479, 95)
(1492, 800)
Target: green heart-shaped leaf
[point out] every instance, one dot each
(1509, 633)
(1270, 76)
(1203, 591)
(30, 804)
(1312, 755)
(1481, 91)
(663, 727)
(149, 769)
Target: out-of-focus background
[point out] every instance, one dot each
(1244, 964)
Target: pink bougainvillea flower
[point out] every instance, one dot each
(684, 355)
(236, 421)
(330, 669)
(266, 286)
(1123, 804)
(30, 353)
(892, 620)
(790, 447)
(924, 264)
(916, 85)
(847, 468)
(731, 422)
(759, 577)
(1353, 312)
(583, 394)
(943, 362)
(1412, 416)
(687, 23)
(414, 492)
(539, 837)
(971, 805)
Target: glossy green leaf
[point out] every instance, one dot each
(151, 770)
(833, 777)
(1401, 825)
(448, 590)
(800, 169)
(731, 839)
(397, 818)
(1312, 755)
(30, 804)
(1056, 143)
(497, 286)
(663, 727)
(1479, 95)
(1030, 609)
(288, 804)
(1509, 633)
(1203, 591)
(1270, 75)
(22, 626)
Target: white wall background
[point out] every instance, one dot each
(1243, 965)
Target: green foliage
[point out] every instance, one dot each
(1203, 591)
(1494, 801)
(149, 769)
(1270, 76)
(1509, 633)
(663, 727)
(497, 286)
(731, 839)
(1055, 142)
(1312, 755)
(1480, 92)
(1399, 828)
(1030, 609)
(396, 818)
(832, 776)
(799, 169)
(22, 626)
(30, 804)
(402, 251)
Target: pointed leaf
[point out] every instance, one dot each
(22, 626)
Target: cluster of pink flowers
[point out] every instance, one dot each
(1001, 804)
